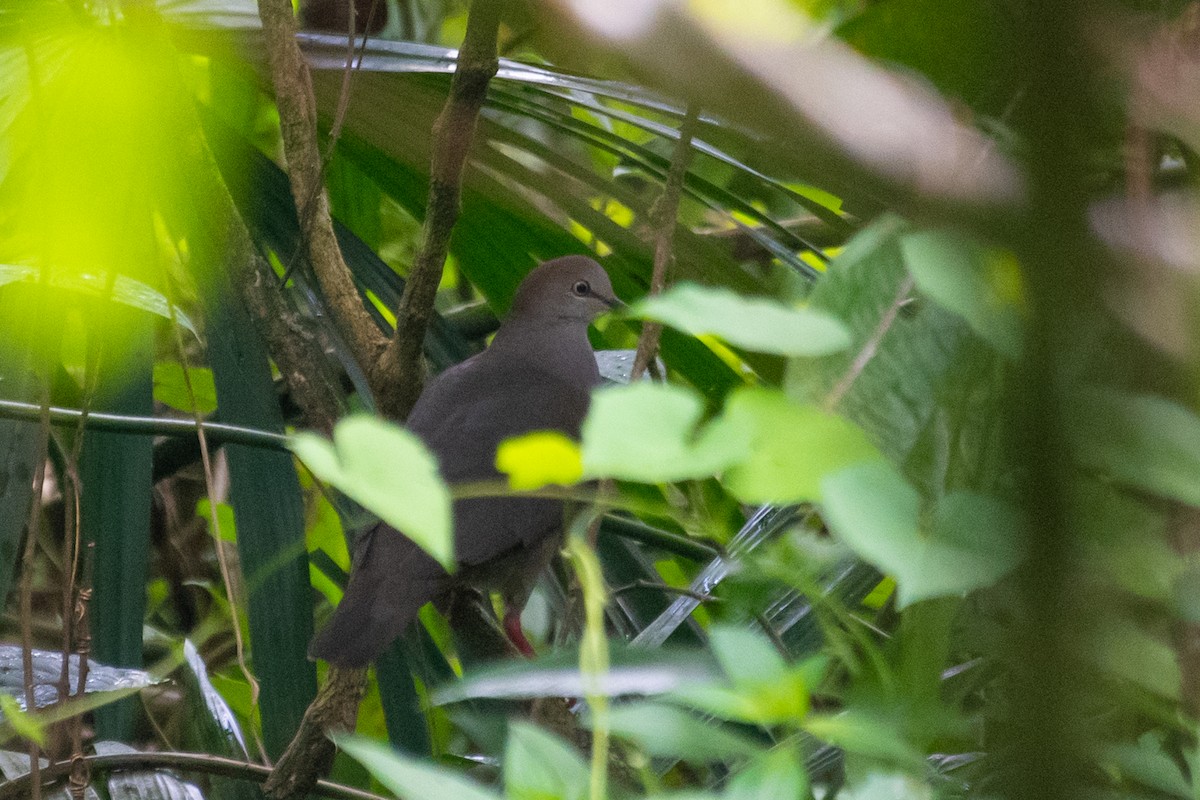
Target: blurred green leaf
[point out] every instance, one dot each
(775, 775)
(389, 471)
(753, 323)
(1148, 764)
(410, 777)
(120, 289)
(793, 447)
(648, 432)
(981, 285)
(226, 520)
(669, 732)
(746, 655)
(888, 786)
(1144, 441)
(764, 689)
(22, 724)
(865, 734)
(917, 380)
(539, 766)
(970, 542)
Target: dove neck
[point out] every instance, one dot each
(557, 347)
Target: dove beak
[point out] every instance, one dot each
(614, 303)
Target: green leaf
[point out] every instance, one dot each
(665, 731)
(865, 734)
(793, 447)
(410, 777)
(1143, 441)
(391, 473)
(765, 688)
(226, 520)
(1149, 765)
(753, 323)
(746, 655)
(268, 505)
(979, 284)
(775, 775)
(171, 389)
(539, 766)
(648, 432)
(917, 380)
(24, 725)
(971, 544)
(779, 702)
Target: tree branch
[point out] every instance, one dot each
(310, 754)
(298, 123)
(663, 215)
(399, 376)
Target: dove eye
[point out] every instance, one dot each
(581, 288)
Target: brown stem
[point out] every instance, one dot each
(399, 375)
(663, 215)
(80, 773)
(35, 510)
(310, 754)
(298, 124)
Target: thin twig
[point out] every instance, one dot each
(31, 535)
(664, 215)
(869, 348)
(335, 133)
(80, 773)
(213, 521)
(682, 591)
(399, 375)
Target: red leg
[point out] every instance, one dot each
(512, 626)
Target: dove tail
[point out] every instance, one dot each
(391, 580)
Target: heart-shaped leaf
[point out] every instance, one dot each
(972, 539)
(391, 473)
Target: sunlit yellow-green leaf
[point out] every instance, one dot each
(23, 724)
(170, 387)
(540, 459)
(98, 179)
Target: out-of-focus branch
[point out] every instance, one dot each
(298, 123)
(664, 214)
(399, 375)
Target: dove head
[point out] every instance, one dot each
(571, 288)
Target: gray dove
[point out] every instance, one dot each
(537, 374)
